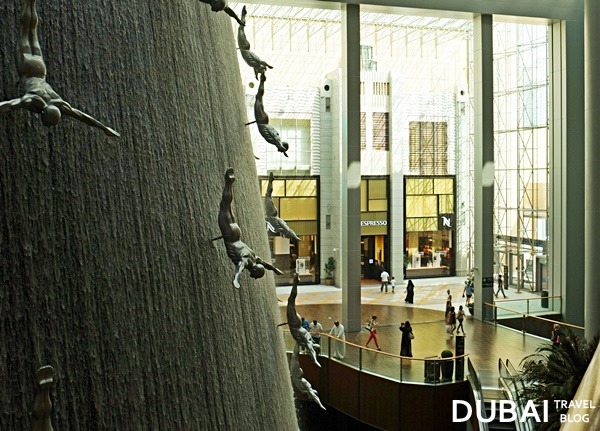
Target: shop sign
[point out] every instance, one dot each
(445, 221)
(364, 223)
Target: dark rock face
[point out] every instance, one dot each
(106, 267)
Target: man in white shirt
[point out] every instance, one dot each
(385, 278)
(315, 329)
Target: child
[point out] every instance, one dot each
(393, 282)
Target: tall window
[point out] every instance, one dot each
(363, 131)
(380, 131)
(521, 148)
(297, 134)
(428, 143)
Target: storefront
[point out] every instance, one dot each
(374, 226)
(296, 200)
(429, 226)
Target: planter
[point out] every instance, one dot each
(447, 370)
(329, 281)
(447, 366)
(432, 369)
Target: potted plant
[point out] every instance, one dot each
(329, 269)
(405, 263)
(447, 366)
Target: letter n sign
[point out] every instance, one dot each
(446, 221)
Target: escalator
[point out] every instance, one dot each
(503, 407)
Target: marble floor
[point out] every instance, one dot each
(485, 343)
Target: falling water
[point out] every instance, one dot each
(106, 266)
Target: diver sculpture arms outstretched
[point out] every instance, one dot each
(249, 57)
(240, 254)
(299, 381)
(39, 96)
(276, 224)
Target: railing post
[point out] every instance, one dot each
(524, 317)
(528, 306)
(495, 313)
(401, 369)
(360, 359)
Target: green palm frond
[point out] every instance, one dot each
(555, 372)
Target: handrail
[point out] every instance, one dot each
(531, 316)
(509, 385)
(432, 369)
(475, 382)
(393, 355)
(532, 299)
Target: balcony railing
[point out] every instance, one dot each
(430, 370)
(528, 311)
(529, 306)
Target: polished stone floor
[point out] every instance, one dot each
(485, 343)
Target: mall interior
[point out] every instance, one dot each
(431, 141)
(435, 139)
(448, 142)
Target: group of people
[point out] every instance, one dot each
(405, 343)
(337, 331)
(452, 316)
(387, 280)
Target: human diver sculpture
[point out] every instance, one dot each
(239, 253)
(294, 321)
(221, 5)
(39, 96)
(299, 381)
(276, 224)
(261, 118)
(249, 57)
(42, 405)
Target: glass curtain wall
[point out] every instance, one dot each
(521, 140)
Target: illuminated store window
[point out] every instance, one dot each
(374, 226)
(296, 200)
(429, 226)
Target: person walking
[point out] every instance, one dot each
(338, 345)
(407, 337)
(410, 292)
(460, 316)
(500, 287)
(385, 277)
(451, 321)
(448, 303)
(393, 284)
(468, 292)
(372, 328)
